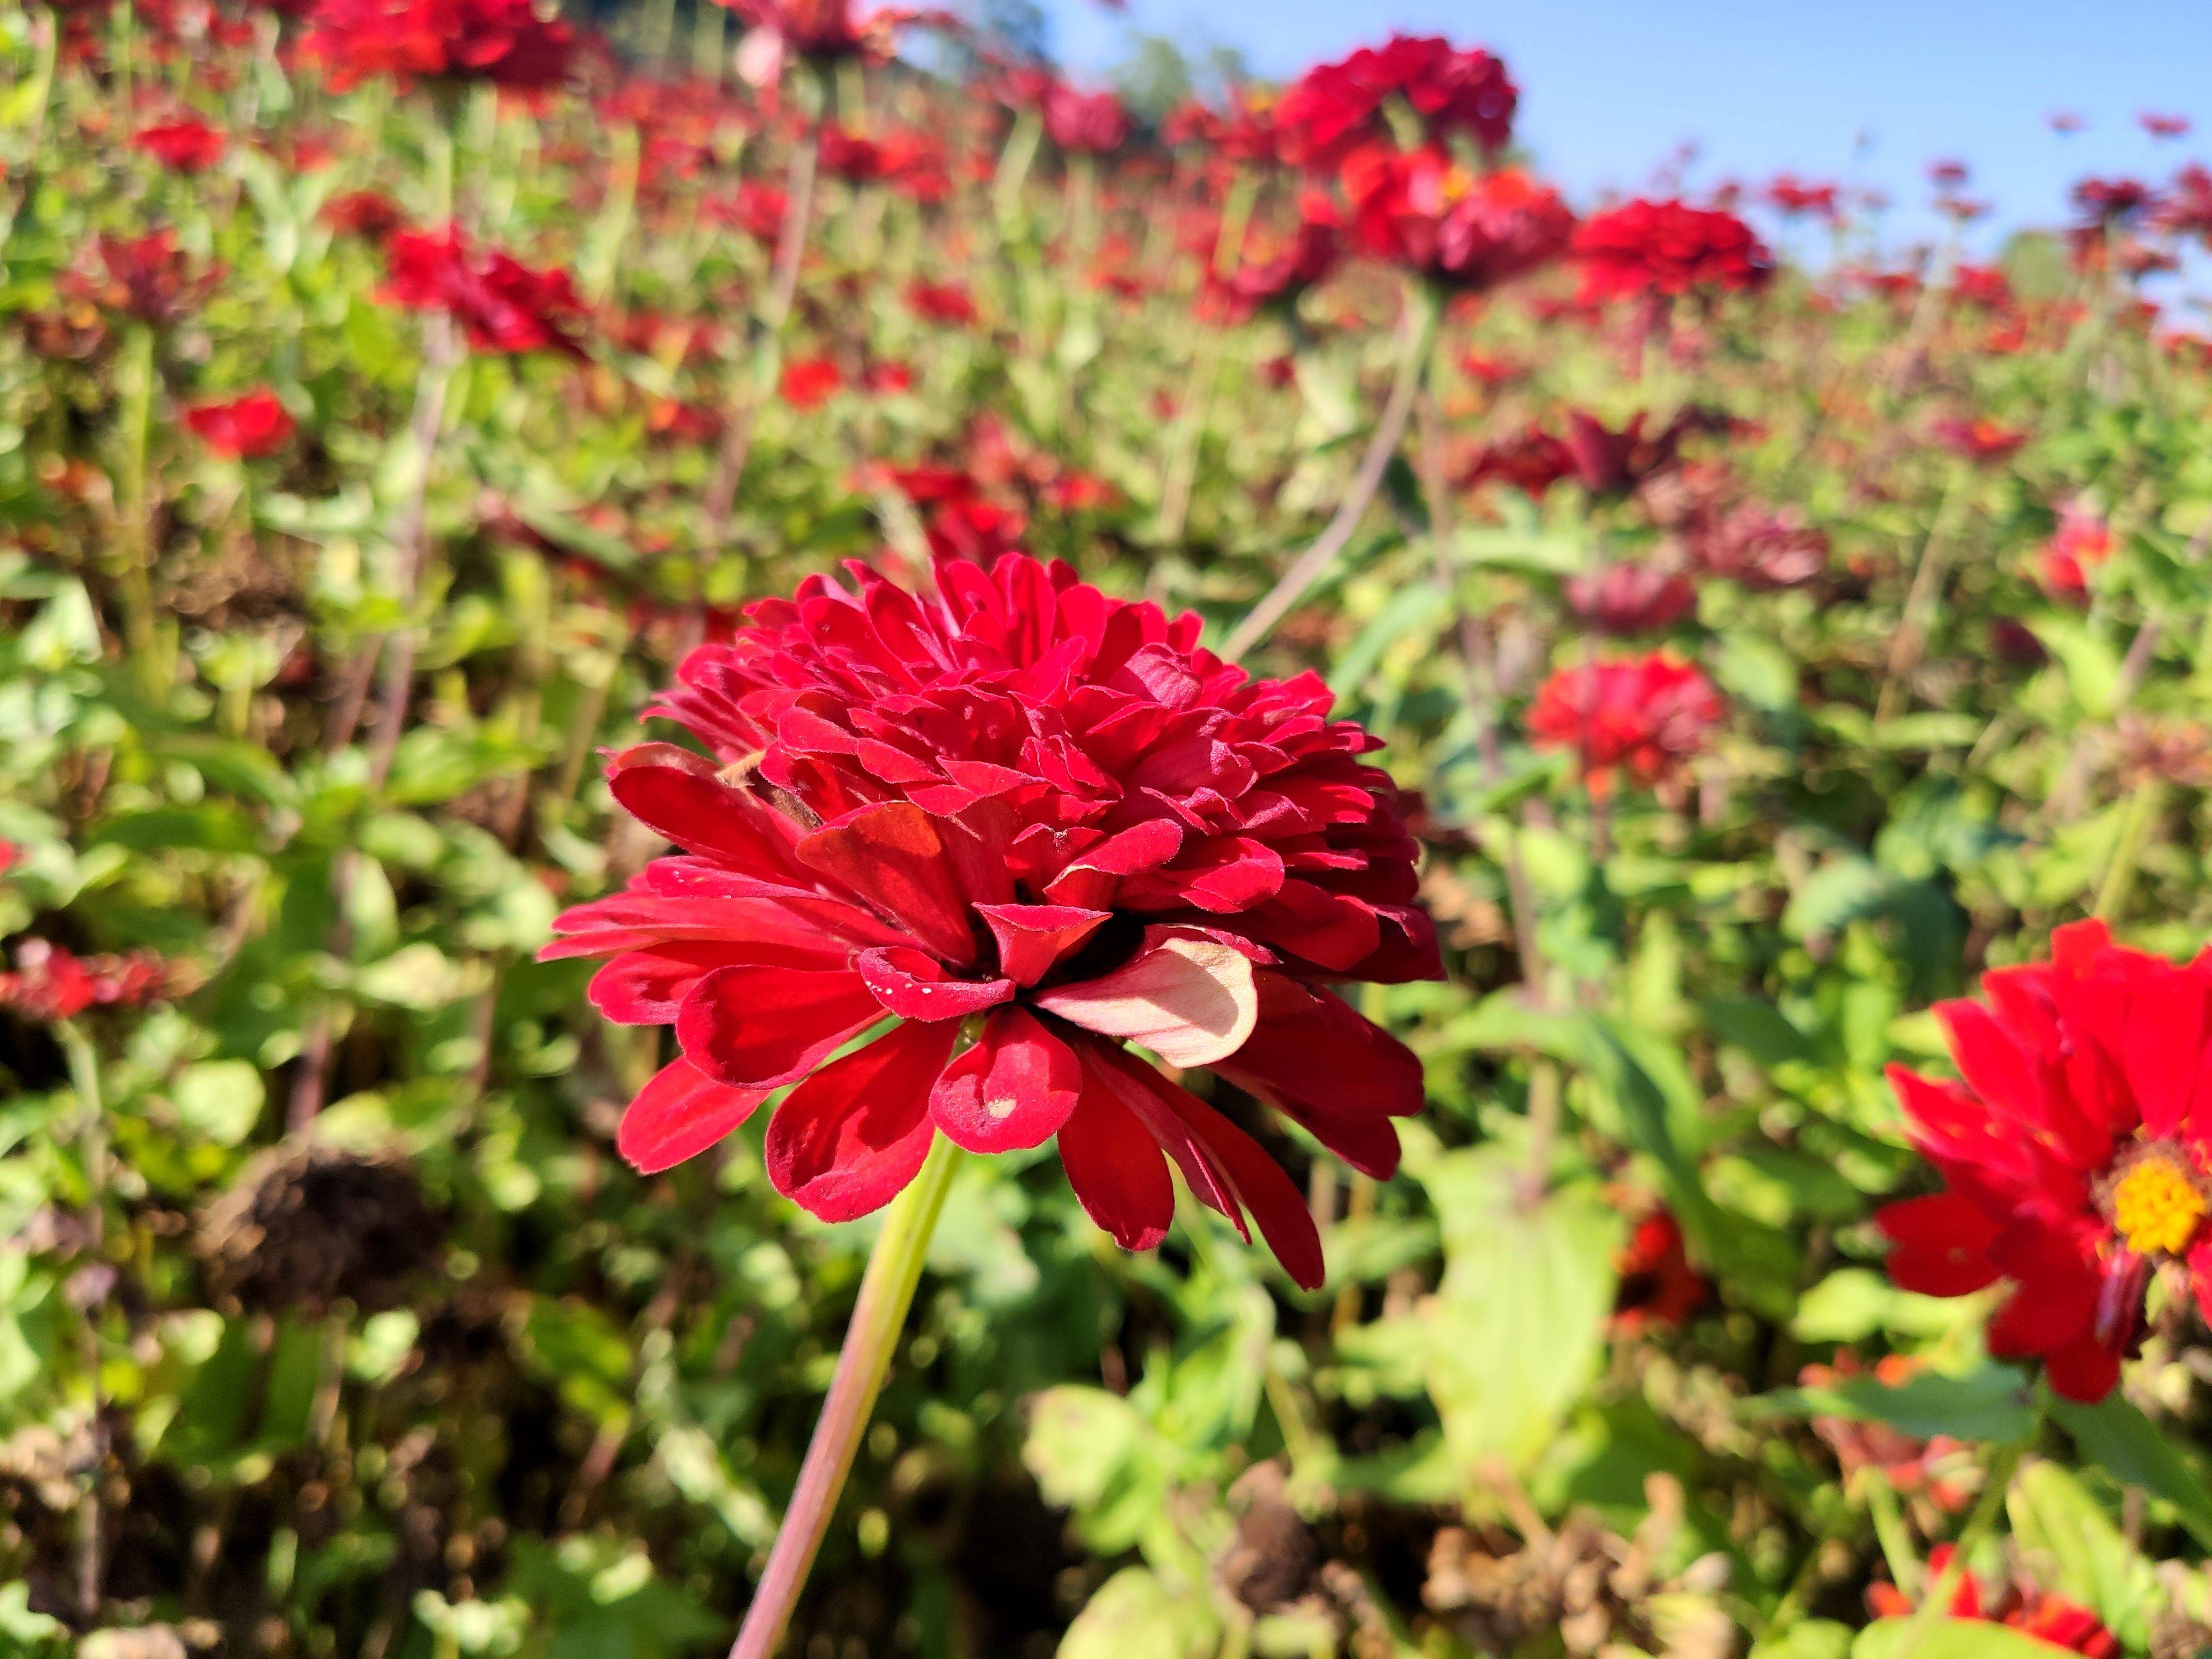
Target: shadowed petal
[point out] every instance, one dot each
(1013, 1090)
(848, 1139)
(1187, 998)
(758, 1027)
(681, 1113)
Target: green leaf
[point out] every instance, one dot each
(2116, 1438)
(1134, 1614)
(2084, 1557)
(220, 1099)
(1988, 1404)
(1950, 1639)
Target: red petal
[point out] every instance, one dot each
(1187, 998)
(2165, 1044)
(894, 855)
(848, 1139)
(646, 986)
(916, 985)
(681, 1113)
(1942, 1245)
(1032, 938)
(2084, 1371)
(1115, 1168)
(1092, 879)
(1013, 1090)
(701, 814)
(1309, 1050)
(758, 1027)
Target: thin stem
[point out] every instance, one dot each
(84, 1082)
(1416, 332)
(1935, 1608)
(886, 1293)
(1911, 636)
(2128, 850)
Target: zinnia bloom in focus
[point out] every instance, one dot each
(1643, 717)
(1664, 250)
(2074, 1153)
(506, 42)
(501, 304)
(183, 146)
(1027, 817)
(246, 429)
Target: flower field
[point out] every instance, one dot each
(799, 832)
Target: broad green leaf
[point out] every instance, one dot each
(1949, 1638)
(1133, 1614)
(2075, 1549)
(2114, 1436)
(1988, 1404)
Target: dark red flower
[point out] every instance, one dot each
(49, 983)
(1629, 597)
(186, 145)
(1658, 1286)
(1531, 461)
(508, 42)
(1086, 123)
(366, 213)
(1644, 717)
(1332, 108)
(2074, 1153)
(2186, 210)
(247, 428)
(2164, 126)
(807, 382)
(501, 304)
(1278, 272)
(1666, 250)
(1610, 464)
(1421, 210)
(148, 277)
(755, 208)
(1032, 814)
(1794, 197)
(941, 302)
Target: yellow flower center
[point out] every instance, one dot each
(2156, 1206)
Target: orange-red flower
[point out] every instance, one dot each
(247, 428)
(808, 382)
(1644, 717)
(1027, 814)
(2074, 1153)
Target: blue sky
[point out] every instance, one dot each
(1610, 88)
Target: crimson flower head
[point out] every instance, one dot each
(365, 213)
(1646, 717)
(1794, 197)
(1424, 211)
(1335, 108)
(50, 983)
(1986, 442)
(2075, 1153)
(246, 429)
(1658, 1289)
(1010, 831)
(502, 305)
(1664, 250)
(509, 43)
(1086, 123)
(2164, 126)
(1287, 268)
(1630, 597)
(808, 382)
(187, 145)
(149, 277)
(941, 302)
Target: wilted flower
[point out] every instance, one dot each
(506, 42)
(1666, 250)
(1028, 813)
(186, 145)
(49, 983)
(501, 304)
(1423, 210)
(247, 428)
(2074, 1152)
(1644, 717)
(1630, 597)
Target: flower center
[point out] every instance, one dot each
(2156, 1205)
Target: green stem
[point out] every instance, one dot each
(2128, 850)
(886, 1293)
(84, 1082)
(1935, 1606)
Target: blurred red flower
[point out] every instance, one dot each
(366, 213)
(502, 305)
(941, 302)
(508, 42)
(247, 428)
(1087, 122)
(1422, 210)
(186, 145)
(2074, 1154)
(1027, 802)
(148, 277)
(2065, 1625)
(1910, 1466)
(807, 382)
(1658, 1286)
(1646, 717)
(1985, 441)
(1283, 268)
(1666, 250)
(50, 983)
(1630, 597)
(1335, 108)
(2082, 542)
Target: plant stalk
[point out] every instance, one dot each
(886, 1293)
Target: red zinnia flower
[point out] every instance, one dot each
(50, 983)
(183, 146)
(1089, 122)
(1646, 717)
(1285, 269)
(2065, 1625)
(1658, 1286)
(2074, 1153)
(807, 382)
(1667, 249)
(1424, 211)
(1334, 107)
(368, 213)
(148, 277)
(1629, 597)
(941, 302)
(247, 428)
(506, 42)
(502, 304)
(1028, 813)
(1980, 441)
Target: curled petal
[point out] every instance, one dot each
(916, 985)
(1014, 1088)
(1187, 998)
(1033, 937)
(758, 1027)
(848, 1139)
(894, 855)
